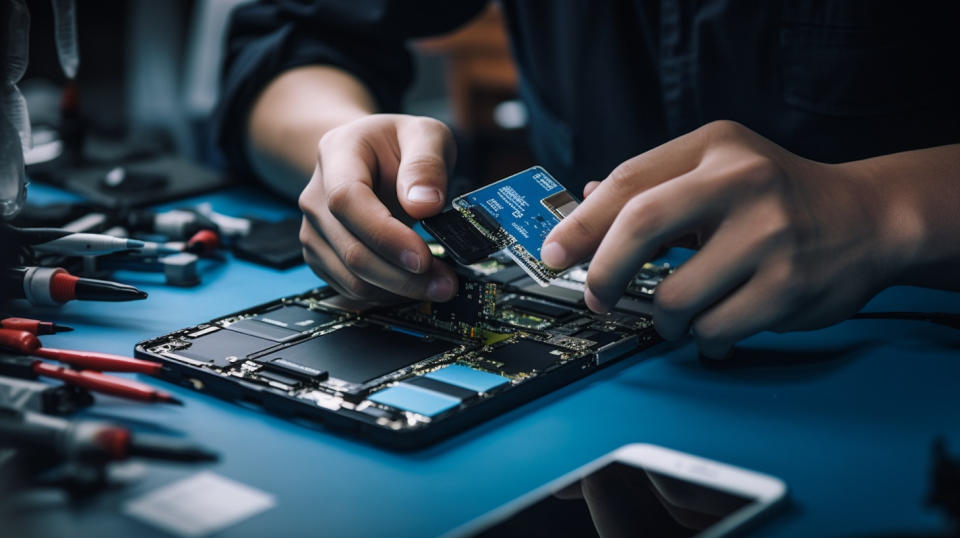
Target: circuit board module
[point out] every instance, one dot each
(513, 216)
(409, 374)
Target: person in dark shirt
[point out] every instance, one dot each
(812, 147)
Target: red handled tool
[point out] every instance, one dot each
(28, 344)
(203, 243)
(105, 384)
(32, 325)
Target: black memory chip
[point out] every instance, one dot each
(295, 318)
(262, 330)
(282, 324)
(215, 347)
(601, 338)
(460, 238)
(358, 354)
(523, 356)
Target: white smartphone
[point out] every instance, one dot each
(637, 490)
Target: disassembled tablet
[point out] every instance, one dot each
(410, 374)
(403, 376)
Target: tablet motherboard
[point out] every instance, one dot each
(402, 375)
(408, 374)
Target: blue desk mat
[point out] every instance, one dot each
(844, 415)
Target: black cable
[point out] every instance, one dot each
(947, 319)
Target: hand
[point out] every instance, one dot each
(370, 174)
(787, 243)
(630, 501)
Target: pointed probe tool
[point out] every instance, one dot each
(51, 286)
(65, 242)
(34, 326)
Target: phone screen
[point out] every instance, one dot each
(622, 500)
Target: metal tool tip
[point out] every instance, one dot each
(207, 455)
(57, 328)
(171, 400)
(136, 243)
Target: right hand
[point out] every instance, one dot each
(372, 174)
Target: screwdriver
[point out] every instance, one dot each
(55, 286)
(28, 344)
(59, 241)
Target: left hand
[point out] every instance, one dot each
(787, 243)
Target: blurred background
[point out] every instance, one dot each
(149, 75)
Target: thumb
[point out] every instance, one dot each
(427, 154)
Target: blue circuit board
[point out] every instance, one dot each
(515, 204)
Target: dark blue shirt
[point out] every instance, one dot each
(829, 80)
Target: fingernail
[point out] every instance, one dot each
(440, 289)
(410, 260)
(553, 255)
(423, 195)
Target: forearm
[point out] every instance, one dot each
(292, 114)
(920, 193)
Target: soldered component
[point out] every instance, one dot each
(524, 357)
(464, 315)
(560, 204)
(530, 313)
(645, 283)
(642, 286)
